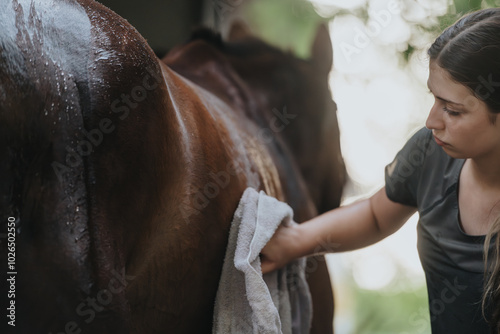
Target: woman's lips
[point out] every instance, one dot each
(440, 142)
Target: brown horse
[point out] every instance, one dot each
(121, 173)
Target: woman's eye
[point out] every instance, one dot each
(451, 112)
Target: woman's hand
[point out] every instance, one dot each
(281, 249)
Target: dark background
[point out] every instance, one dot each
(165, 23)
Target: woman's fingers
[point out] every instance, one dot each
(275, 254)
(267, 265)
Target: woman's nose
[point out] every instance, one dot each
(435, 119)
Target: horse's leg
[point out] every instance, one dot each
(320, 286)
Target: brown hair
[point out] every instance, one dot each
(469, 51)
(491, 292)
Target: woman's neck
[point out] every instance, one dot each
(486, 172)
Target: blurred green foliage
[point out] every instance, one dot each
(464, 6)
(387, 311)
(291, 24)
(456, 9)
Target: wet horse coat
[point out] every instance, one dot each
(123, 172)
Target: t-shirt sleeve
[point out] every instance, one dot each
(402, 176)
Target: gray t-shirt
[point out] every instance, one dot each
(424, 176)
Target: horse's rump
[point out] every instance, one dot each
(123, 176)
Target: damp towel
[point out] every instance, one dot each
(248, 302)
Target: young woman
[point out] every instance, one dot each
(450, 173)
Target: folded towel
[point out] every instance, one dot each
(247, 302)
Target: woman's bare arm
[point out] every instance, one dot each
(346, 228)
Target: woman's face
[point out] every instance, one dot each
(459, 121)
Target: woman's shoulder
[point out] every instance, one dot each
(416, 151)
(438, 173)
(421, 164)
(422, 138)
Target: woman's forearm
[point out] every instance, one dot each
(346, 228)
(343, 229)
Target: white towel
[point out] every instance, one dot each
(247, 302)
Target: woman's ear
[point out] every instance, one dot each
(322, 50)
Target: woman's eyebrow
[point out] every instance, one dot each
(443, 99)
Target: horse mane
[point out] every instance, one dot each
(244, 47)
(208, 35)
